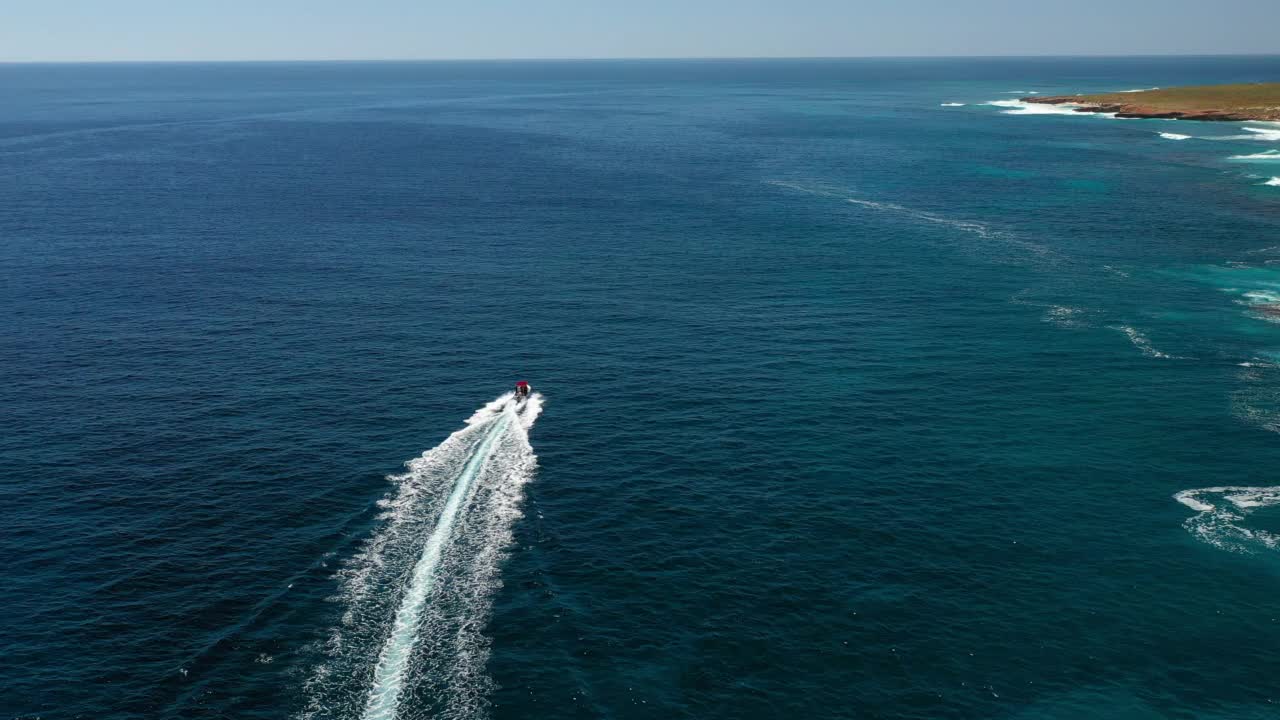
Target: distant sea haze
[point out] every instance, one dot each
(862, 388)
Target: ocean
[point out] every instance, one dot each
(863, 390)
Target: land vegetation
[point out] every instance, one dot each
(1244, 101)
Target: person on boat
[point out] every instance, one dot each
(522, 390)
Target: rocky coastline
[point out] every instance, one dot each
(1222, 103)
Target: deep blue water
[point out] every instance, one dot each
(855, 405)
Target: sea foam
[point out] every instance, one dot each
(1262, 297)
(1064, 316)
(1143, 343)
(1269, 132)
(1270, 155)
(1274, 182)
(1221, 512)
(1263, 133)
(1174, 136)
(963, 225)
(1018, 107)
(417, 594)
(828, 190)
(976, 228)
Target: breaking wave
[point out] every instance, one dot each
(1174, 136)
(1138, 90)
(417, 594)
(1265, 155)
(1221, 512)
(1018, 107)
(1261, 297)
(1275, 182)
(1269, 134)
(952, 104)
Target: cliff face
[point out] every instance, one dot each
(1086, 103)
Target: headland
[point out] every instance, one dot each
(1247, 101)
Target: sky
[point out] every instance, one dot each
(89, 30)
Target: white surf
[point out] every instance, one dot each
(1018, 107)
(1268, 156)
(1221, 514)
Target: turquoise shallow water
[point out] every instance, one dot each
(853, 404)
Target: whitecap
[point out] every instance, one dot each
(1268, 132)
(1174, 136)
(1263, 296)
(1262, 133)
(952, 104)
(1267, 155)
(1274, 182)
(1221, 512)
(1018, 107)
(1137, 90)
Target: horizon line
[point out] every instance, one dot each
(638, 58)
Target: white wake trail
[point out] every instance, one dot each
(389, 679)
(418, 594)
